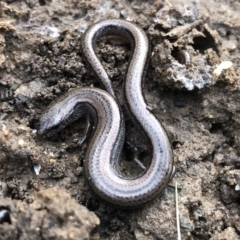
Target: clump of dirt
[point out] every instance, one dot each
(52, 215)
(192, 86)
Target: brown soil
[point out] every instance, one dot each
(196, 99)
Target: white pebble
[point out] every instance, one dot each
(237, 187)
(34, 131)
(223, 65)
(37, 169)
(21, 143)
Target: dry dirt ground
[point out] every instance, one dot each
(192, 86)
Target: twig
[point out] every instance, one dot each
(177, 212)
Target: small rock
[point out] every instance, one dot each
(79, 172)
(237, 187)
(218, 159)
(21, 143)
(74, 180)
(232, 177)
(37, 168)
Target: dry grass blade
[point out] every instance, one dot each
(168, 2)
(177, 212)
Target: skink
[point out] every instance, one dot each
(102, 158)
